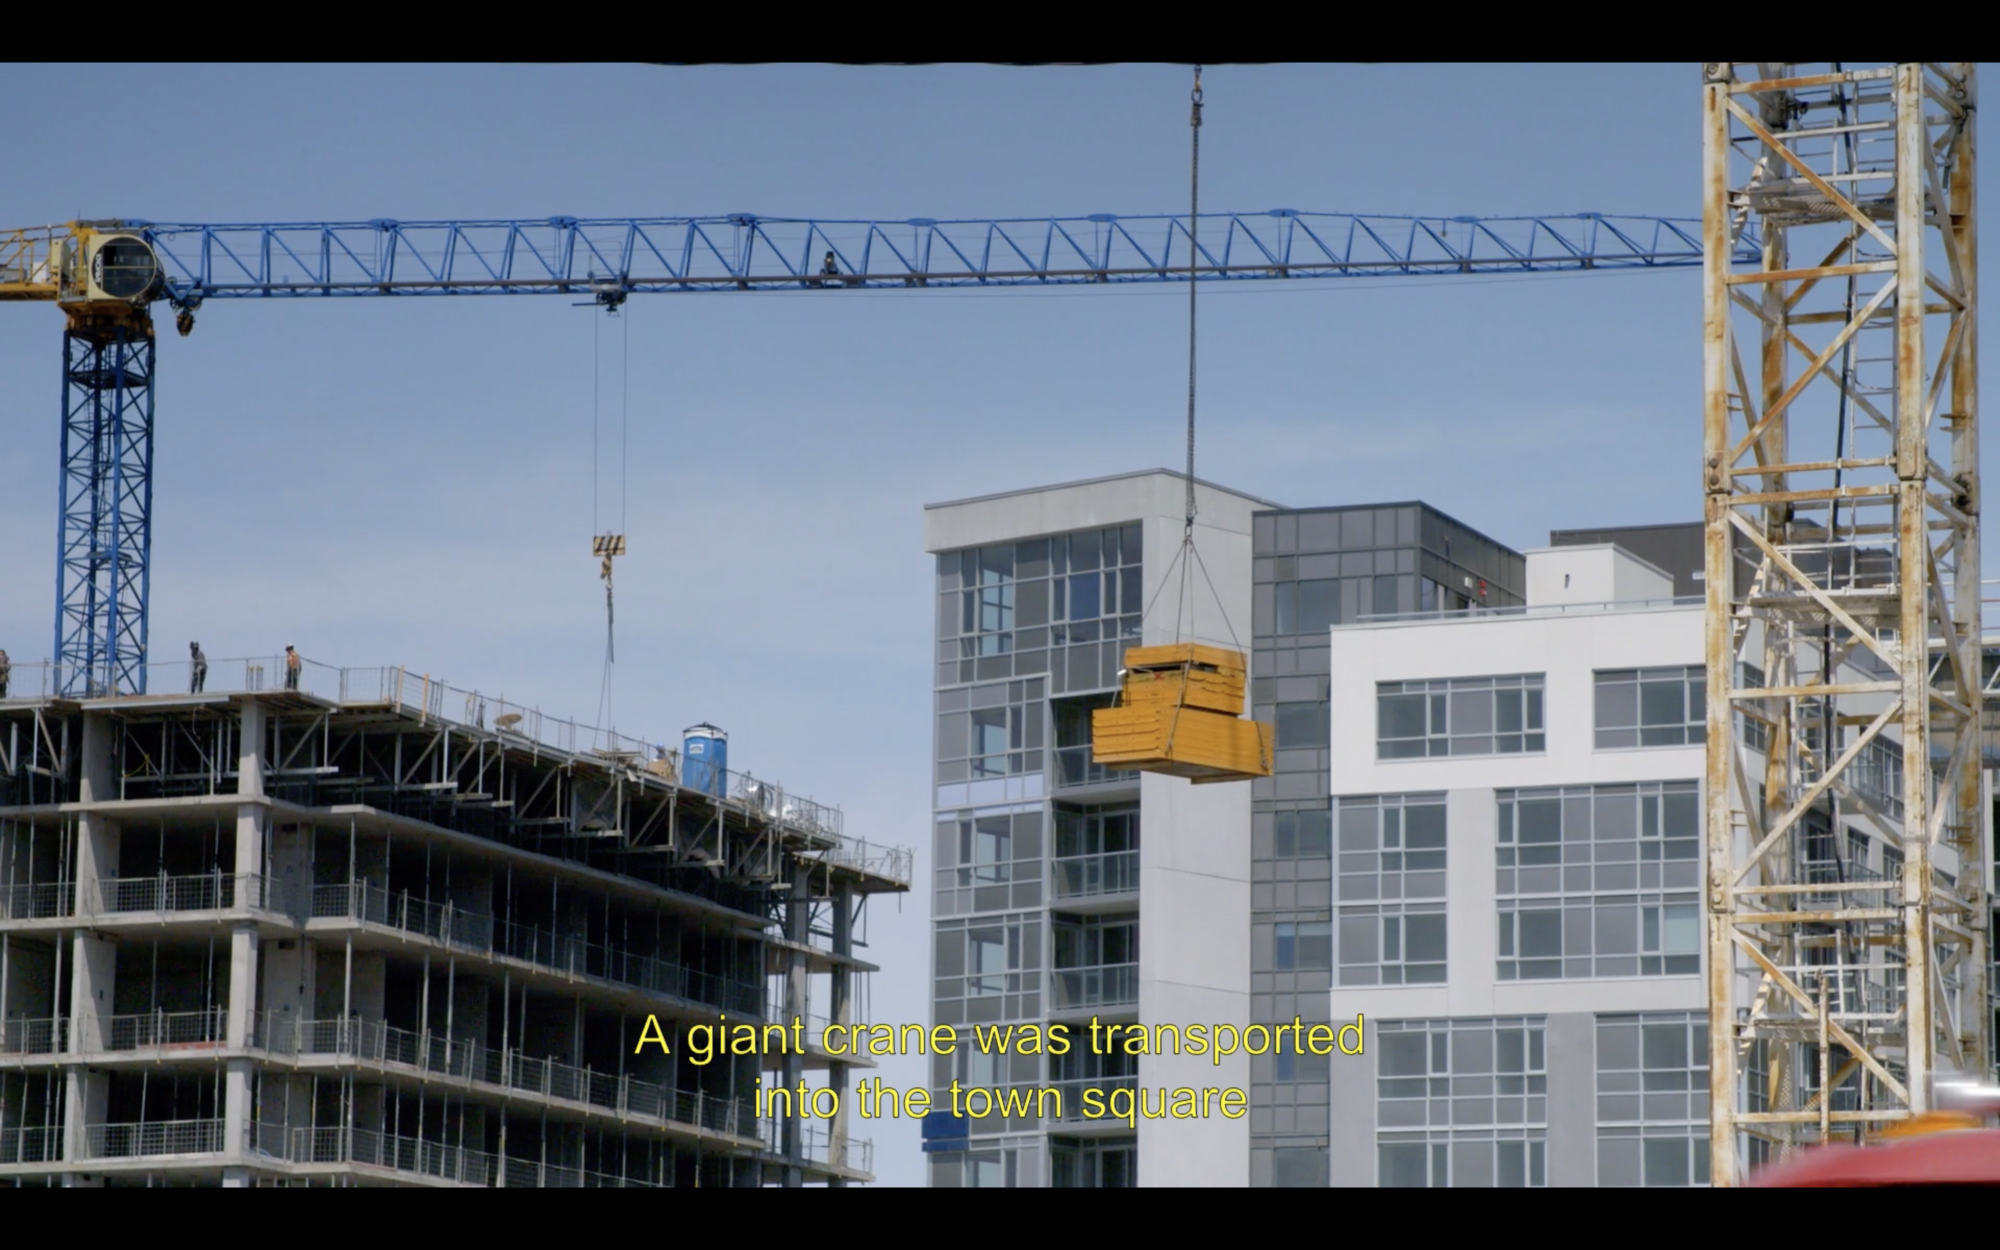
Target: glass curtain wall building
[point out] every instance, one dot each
(1064, 892)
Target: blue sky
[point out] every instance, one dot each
(410, 482)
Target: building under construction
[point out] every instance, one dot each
(377, 930)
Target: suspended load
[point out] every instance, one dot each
(1180, 713)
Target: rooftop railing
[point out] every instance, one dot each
(568, 954)
(433, 699)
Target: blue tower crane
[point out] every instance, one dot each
(106, 275)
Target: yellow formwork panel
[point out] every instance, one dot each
(1181, 742)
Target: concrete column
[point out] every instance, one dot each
(237, 1103)
(93, 962)
(798, 913)
(840, 1011)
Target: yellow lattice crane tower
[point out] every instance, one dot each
(1847, 838)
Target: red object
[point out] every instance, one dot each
(1962, 1157)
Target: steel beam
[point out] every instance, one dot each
(1846, 841)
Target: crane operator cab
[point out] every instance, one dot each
(107, 277)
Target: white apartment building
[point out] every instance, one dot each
(1517, 856)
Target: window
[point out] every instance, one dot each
(1876, 775)
(1751, 724)
(1042, 605)
(1298, 1167)
(1461, 716)
(1099, 1163)
(1652, 1100)
(1307, 607)
(1302, 725)
(1462, 1103)
(1301, 944)
(993, 730)
(1599, 881)
(1652, 707)
(1302, 835)
(1392, 890)
(1290, 1067)
(988, 969)
(988, 861)
(1097, 851)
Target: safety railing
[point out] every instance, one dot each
(1101, 985)
(872, 859)
(213, 891)
(1540, 609)
(20, 1036)
(545, 948)
(184, 1030)
(1085, 876)
(816, 1146)
(436, 1055)
(1072, 1092)
(434, 699)
(47, 900)
(153, 1137)
(31, 1145)
(1074, 768)
(1839, 567)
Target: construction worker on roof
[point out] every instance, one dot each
(199, 675)
(292, 665)
(830, 267)
(6, 668)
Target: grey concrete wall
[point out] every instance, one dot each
(1351, 1117)
(1572, 1063)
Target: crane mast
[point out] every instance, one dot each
(1846, 843)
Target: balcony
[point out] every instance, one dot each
(1102, 985)
(165, 1030)
(816, 1144)
(432, 1055)
(31, 1145)
(1089, 876)
(418, 1157)
(1072, 1093)
(152, 1137)
(214, 891)
(47, 901)
(368, 903)
(1074, 768)
(34, 1037)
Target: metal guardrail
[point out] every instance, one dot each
(816, 1146)
(214, 891)
(1543, 609)
(1085, 876)
(377, 1042)
(46, 900)
(1072, 1092)
(152, 1137)
(31, 1145)
(1102, 985)
(20, 1036)
(572, 956)
(165, 1030)
(1074, 768)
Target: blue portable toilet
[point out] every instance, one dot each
(704, 758)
